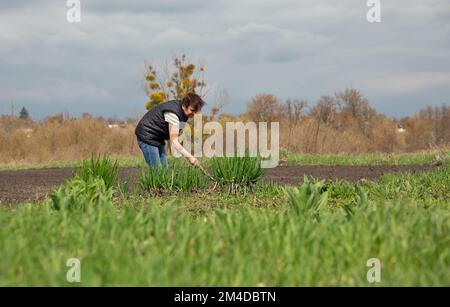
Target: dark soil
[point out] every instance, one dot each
(34, 184)
(294, 174)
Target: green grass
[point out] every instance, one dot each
(237, 173)
(234, 175)
(123, 161)
(291, 158)
(317, 234)
(163, 245)
(425, 188)
(101, 167)
(79, 194)
(365, 159)
(177, 177)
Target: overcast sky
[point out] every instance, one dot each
(290, 48)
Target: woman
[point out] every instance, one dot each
(164, 122)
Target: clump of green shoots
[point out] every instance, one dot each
(81, 194)
(237, 173)
(103, 168)
(309, 198)
(176, 178)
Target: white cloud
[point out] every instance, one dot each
(174, 37)
(293, 48)
(409, 83)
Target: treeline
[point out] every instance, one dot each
(63, 138)
(342, 123)
(347, 123)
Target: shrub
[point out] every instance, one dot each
(237, 173)
(308, 199)
(177, 178)
(80, 194)
(103, 168)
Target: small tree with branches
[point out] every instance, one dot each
(24, 114)
(175, 83)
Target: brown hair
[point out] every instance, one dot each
(193, 100)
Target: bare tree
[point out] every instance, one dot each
(292, 113)
(264, 108)
(323, 111)
(294, 109)
(354, 106)
(24, 114)
(220, 98)
(445, 125)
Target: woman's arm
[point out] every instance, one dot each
(174, 133)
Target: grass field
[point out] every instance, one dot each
(285, 157)
(317, 234)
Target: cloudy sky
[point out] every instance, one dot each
(290, 48)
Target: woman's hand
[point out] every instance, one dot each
(193, 161)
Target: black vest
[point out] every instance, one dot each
(153, 128)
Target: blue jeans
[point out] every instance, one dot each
(154, 156)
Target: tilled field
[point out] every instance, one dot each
(34, 184)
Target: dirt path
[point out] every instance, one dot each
(31, 185)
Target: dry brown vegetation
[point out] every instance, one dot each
(346, 123)
(342, 123)
(58, 138)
